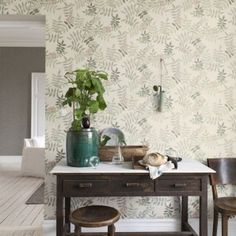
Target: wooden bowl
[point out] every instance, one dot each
(129, 152)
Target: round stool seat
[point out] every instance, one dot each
(94, 216)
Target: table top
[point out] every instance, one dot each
(186, 166)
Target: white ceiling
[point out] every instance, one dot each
(22, 31)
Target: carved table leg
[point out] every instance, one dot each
(59, 209)
(203, 209)
(184, 213)
(67, 212)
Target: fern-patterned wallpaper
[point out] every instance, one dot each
(127, 38)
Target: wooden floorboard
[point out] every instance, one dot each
(17, 197)
(16, 217)
(141, 234)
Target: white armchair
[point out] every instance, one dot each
(33, 158)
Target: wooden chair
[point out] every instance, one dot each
(95, 216)
(225, 174)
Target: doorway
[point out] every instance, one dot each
(22, 52)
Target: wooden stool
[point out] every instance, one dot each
(94, 216)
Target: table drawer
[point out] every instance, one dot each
(178, 185)
(76, 188)
(132, 186)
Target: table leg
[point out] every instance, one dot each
(67, 212)
(59, 210)
(203, 209)
(184, 212)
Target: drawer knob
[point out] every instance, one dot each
(132, 184)
(85, 185)
(180, 185)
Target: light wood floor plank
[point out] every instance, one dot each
(21, 195)
(16, 217)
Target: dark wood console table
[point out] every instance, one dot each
(190, 179)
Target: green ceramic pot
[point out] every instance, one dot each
(82, 148)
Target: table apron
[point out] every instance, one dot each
(183, 186)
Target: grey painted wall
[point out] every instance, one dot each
(16, 66)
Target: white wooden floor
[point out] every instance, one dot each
(16, 217)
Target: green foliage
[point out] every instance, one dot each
(85, 95)
(104, 139)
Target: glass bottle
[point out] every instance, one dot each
(117, 157)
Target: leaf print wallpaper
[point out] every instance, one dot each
(127, 38)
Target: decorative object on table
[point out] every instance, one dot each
(116, 138)
(156, 171)
(129, 152)
(155, 159)
(159, 88)
(156, 163)
(113, 136)
(85, 96)
(117, 157)
(82, 147)
(174, 160)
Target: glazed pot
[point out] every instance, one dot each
(82, 148)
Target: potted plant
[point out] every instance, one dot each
(85, 97)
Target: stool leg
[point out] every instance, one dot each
(77, 230)
(111, 230)
(66, 229)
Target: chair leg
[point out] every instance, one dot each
(111, 230)
(225, 225)
(215, 222)
(77, 230)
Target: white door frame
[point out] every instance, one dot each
(37, 104)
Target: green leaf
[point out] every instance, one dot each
(88, 84)
(77, 93)
(80, 76)
(92, 91)
(97, 85)
(93, 106)
(80, 72)
(103, 75)
(79, 113)
(101, 101)
(68, 101)
(76, 125)
(70, 92)
(104, 140)
(88, 75)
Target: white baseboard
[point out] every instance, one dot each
(10, 159)
(10, 164)
(144, 225)
(20, 228)
(123, 225)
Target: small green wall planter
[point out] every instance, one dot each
(82, 148)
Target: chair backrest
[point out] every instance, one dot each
(225, 172)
